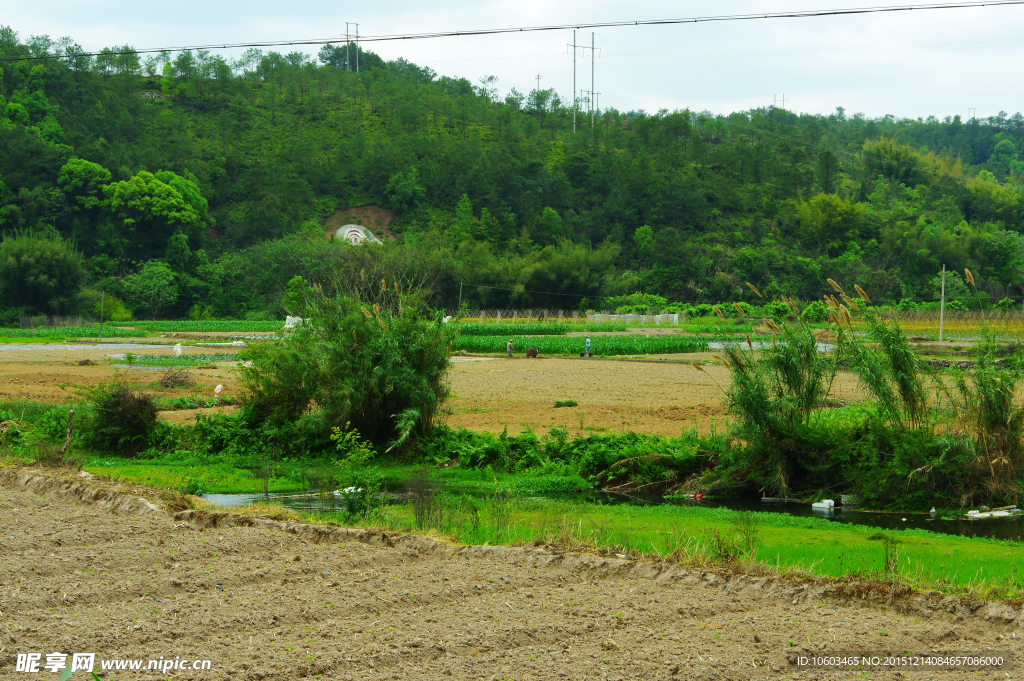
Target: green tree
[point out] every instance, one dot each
(643, 237)
(829, 222)
(41, 273)
(82, 182)
(152, 287)
(150, 208)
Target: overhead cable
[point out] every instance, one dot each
(799, 14)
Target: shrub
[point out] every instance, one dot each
(816, 312)
(123, 419)
(776, 310)
(384, 369)
(908, 305)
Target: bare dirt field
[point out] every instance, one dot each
(660, 397)
(652, 397)
(103, 573)
(53, 373)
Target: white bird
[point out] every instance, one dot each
(933, 510)
(218, 389)
(904, 520)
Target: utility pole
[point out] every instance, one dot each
(942, 303)
(357, 48)
(576, 102)
(103, 295)
(348, 58)
(970, 113)
(591, 75)
(460, 300)
(538, 98)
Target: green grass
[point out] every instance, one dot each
(69, 333)
(171, 361)
(600, 345)
(813, 545)
(216, 478)
(209, 325)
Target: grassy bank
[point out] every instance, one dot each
(706, 536)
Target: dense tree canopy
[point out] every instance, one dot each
(227, 169)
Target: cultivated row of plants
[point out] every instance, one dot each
(573, 345)
(207, 325)
(69, 332)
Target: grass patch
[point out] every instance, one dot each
(217, 478)
(813, 545)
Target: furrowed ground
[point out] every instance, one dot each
(276, 601)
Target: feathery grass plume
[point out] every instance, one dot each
(835, 302)
(792, 304)
(846, 316)
(698, 367)
(833, 319)
(718, 312)
(754, 289)
(828, 302)
(970, 277)
(772, 325)
(749, 344)
(367, 312)
(860, 292)
(738, 308)
(722, 360)
(834, 285)
(383, 285)
(849, 301)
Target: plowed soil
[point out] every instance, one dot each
(275, 601)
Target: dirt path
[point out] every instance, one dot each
(653, 397)
(268, 602)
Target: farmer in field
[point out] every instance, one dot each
(508, 348)
(588, 347)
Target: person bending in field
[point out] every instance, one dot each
(588, 347)
(508, 348)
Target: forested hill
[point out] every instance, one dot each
(188, 183)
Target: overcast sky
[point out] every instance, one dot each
(908, 64)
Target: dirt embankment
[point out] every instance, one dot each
(109, 574)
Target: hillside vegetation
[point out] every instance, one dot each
(206, 198)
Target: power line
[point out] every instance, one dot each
(805, 14)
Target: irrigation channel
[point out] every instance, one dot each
(1011, 528)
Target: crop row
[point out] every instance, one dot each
(600, 345)
(208, 325)
(477, 329)
(68, 332)
(181, 361)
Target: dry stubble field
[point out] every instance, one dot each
(276, 600)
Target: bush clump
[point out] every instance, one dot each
(123, 419)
